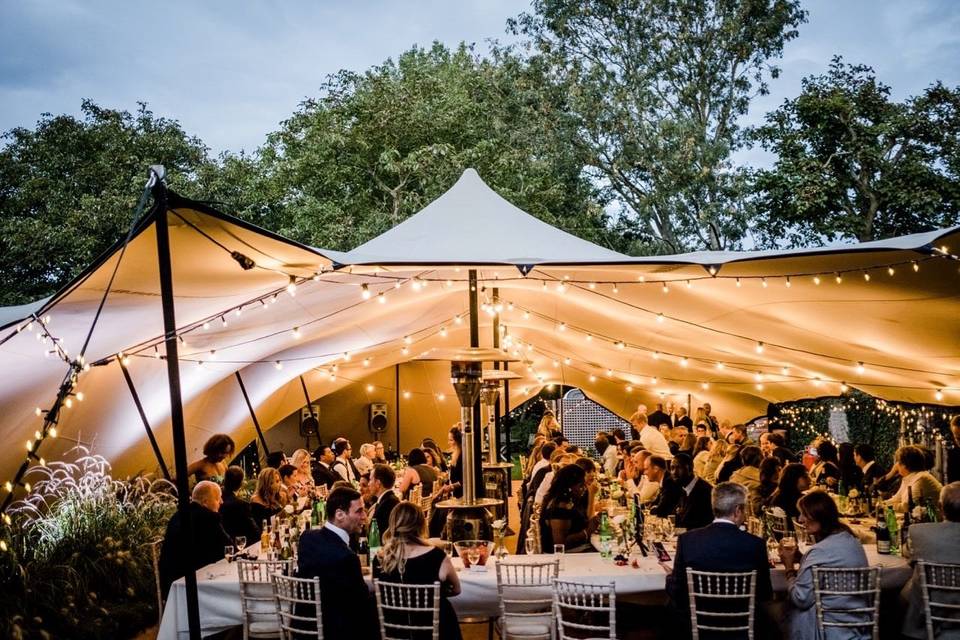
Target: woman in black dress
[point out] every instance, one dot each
(561, 521)
(409, 559)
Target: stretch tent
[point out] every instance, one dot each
(737, 329)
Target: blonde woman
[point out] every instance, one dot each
(548, 424)
(717, 453)
(408, 558)
(266, 501)
(303, 477)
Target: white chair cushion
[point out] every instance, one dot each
(265, 627)
(525, 628)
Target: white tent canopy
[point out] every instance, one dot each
(737, 329)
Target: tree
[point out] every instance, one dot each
(378, 146)
(852, 163)
(656, 89)
(68, 188)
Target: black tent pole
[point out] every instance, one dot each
(253, 416)
(186, 549)
(475, 342)
(143, 418)
(496, 365)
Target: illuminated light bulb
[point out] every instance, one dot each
(759, 386)
(890, 271)
(916, 265)
(415, 284)
(278, 365)
(29, 445)
(689, 285)
(526, 315)
(556, 363)
(52, 432)
(704, 385)
(759, 347)
(406, 395)
(7, 519)
(223, 320)
(448, 284)
(405, 351)
(589, 337)
(713, 271)
(860, 368)
(621, 345)
(787, 283)
(684, 362)
(333, 376)
(566, 361)
(365, 291)
(665, 288)
(543, 285)
(721, 366)
(656, 355)
(407, 339)
(509, 306)
(866, 276)
(938, 395)
(296, 333)
(816, 280)
(565, 277)
(125, 360)
(758, 376)
(654, 380)
(784, 371)
(38, 411)
(36, 435)
(561, 288)
(817, 381)
(206, 325)
(396, 284)
(843, 387)
(526, 390)
(529, 347)
(498, 307)
(292, 286)
(366, 362)
(26, 485)
(369, 388)
(562, 326)
(441, 397)
(629, 389)
(659, 317)
(739, 284)
(8, 486)
(609, 373)
(346, 356)
(616, 289)
(592, 285)
(80, 396)
(593, 378)
(838, 278)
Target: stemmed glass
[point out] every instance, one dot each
(531, 546)
(228, 552)
(241, 542)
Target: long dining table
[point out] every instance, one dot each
(219, 589)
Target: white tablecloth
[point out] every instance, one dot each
(219, 589)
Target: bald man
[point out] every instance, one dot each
(206, 545)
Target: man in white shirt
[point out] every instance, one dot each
(343, 465)
(365, 462)
(635, 480)
(651, 439)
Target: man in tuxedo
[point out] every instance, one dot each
(322, 471)
(937, 542)
(343, 465)
(694, 509)
(655, 468)
(720, 546)
(381, 485)
(865, 458)
(325, 553)
(681, 419)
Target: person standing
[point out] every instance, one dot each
(650, 437)
(213, 465)
(865, 458)
(325, 554)
(658, 417)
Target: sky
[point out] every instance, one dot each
(231, 72)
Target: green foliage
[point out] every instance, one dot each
(656, 90)
(80, 563)
(852, 163)
(378, 146)
(68, 187)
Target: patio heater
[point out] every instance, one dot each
(496, 474)
(468, 517)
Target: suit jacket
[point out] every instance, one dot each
(658, 418)
(933, 542)
(324, 475)
(872, 474)
(237, 519)
(344, 597)
(383, 509)
(694, 510)
(720, 546)
(668, 498)
(206, 546)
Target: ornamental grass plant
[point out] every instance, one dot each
(79, 564)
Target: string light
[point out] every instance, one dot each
(366, 362)
(787, 282)
(365, 291)
(295, 333)
(763, 283)
(838, 278)
(816, 280)
(759, 347)
(278, 365)
(443, 332)
(866, 276)
(939, 394)
(860, 368)
(890, 271)
(292, 286)
(916, 265)
(739, 284)
(684, 362)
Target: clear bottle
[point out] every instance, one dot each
(265, 545)
(891, 518)
(373, 541)
(606, 536)
(364, 552)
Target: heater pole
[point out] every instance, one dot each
(477, 463)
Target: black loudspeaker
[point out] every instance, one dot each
(309, 424)
(378, 417)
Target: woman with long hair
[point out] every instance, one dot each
(438, 460)
(850, 474)
(548, 424)
(417, 472)
(266, 500)
(794, 480)
(408, 558)
(826, 472)
(454, 441)
(213, 465)
(701, 451)
(769, 477)
(561, 521)
(836, 546)
(303, 477)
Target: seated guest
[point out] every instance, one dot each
(718, 451)
(677, 436)
(288, 488)
(793, 482)
(607, 453)
(638, 482)
(343, 465)
(560, 458)
(851, 475)
(540, 470)
(325, 553)
(937, 542)
(920, 483)
(773, 444)
(587, 504)
(235, 511)
(688, 444)
(561, 522)
(380, 486)
(731, 460)
(323, 474)
(720, 546)
(276, 459)
(865, 458)
(178, 556)
(408, 558)
(826, 472)
(266, 500)
(364, 463)
(749, 472)
(650, 437)
(213, 465)
(439, 462)
(700, 454)
(665, 504)
(379, 453)
(418, 472)
(693, 510)
(836, 546)
(769, 477)
(303, 476)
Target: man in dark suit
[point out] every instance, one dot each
(773, 444)
(694, 509)
(381, 485)
(658, 418)
(872, 471)
(325, 553)
(720, 546)
(322, 473)
(206, 545)
(665, 504)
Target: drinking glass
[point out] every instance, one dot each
(789, 543)
(560, 550)
(473, 555)
(228, 552)
(531, 545)
(448, 548)
(241, 542)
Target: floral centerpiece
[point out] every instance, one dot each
(499, 532)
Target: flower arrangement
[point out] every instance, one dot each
(80, 563)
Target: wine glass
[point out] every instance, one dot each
(473, 555)
(228, 552)
(241, 542)
(531, 546)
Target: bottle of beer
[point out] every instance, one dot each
(883, 534)
(892, 527)
(373, 541)
(265, 538)
(364, 552)
(606, 536)
(907, 521)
